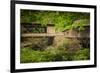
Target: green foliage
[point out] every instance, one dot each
(80, 24)
(71, 45)
(40, 44)
(52, 54)
(82, 54)
(61, 20)
(38, 30)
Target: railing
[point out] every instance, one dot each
(52, 35)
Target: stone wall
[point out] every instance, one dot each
(50, 29)
(75, 33)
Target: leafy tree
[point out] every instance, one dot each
(61, 20)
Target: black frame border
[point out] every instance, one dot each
(12, 36)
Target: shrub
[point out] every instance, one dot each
(26, 55)
(51, 54)
(59, 53)
(71, 45)
(83, 54)
(40, 44)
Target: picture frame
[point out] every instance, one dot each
(16, 7)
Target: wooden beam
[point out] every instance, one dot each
(41, 35)
(50, 35)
